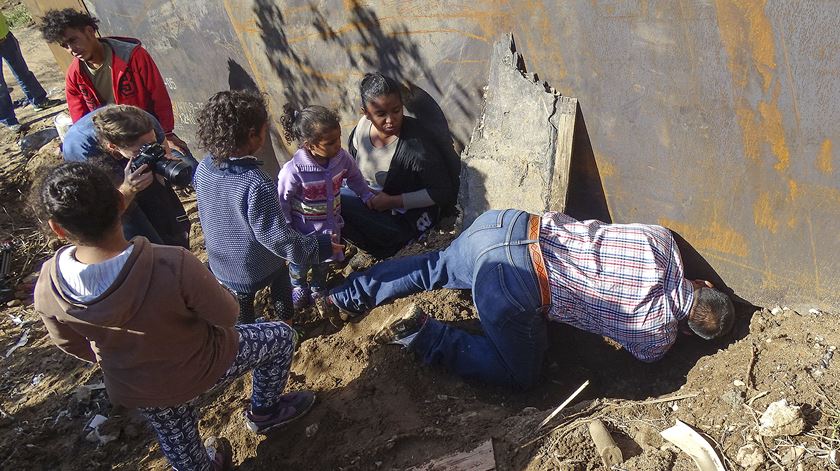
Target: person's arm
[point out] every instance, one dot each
(355, 180)
(76, 105)
(272, 231)
(435, 176)
(67, 339)
(153, 81)
(203, 294)
(653, 345)
(287, 188)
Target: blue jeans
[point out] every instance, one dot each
(10, 51)
(491, 257)
(318, 280)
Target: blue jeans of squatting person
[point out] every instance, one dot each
(491, 257)
(266, 349)
(35, 93)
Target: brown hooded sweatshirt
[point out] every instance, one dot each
(162, 333)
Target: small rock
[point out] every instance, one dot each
(14, 303)
(311, 430)
(814, 312)
(377, 463)
(781, 419)
(776, 310)
(834, 457)
(82, 394)
(733, 398)
(738, 383)
(530, 410)
(750, 457)
(793, 455)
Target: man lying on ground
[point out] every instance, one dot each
(623, 281)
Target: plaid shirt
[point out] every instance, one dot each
(623, 281)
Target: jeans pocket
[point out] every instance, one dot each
(498, 299)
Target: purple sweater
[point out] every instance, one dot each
(310, 194)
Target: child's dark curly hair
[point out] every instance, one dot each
(55, 22)
(227, 120)
(308, 124)
(81, 198)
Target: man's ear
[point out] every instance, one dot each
(57, 229)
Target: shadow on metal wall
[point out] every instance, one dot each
(585, 196)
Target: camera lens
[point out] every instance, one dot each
(178, 173)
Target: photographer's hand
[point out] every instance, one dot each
(134, 182)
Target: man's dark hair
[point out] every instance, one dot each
(308, 124)
(227, 120)
(375, 85)
(80, 198)
(55, 22)
(713, 314)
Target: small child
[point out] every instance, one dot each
(309, 186)
(154, 319)
(246, 235)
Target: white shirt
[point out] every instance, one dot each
(83, 282)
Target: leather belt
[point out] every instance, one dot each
(537, 260)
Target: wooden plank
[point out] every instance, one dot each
(479, 459)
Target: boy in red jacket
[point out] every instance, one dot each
(112, 70)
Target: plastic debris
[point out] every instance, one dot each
(694, 445)
(21, 342)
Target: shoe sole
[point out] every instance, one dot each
(253, 427)
(385, 335)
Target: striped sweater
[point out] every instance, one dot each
(310, 193)
(246, 235)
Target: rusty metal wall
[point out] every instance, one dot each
(715, 118)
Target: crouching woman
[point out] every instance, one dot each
(155, 320)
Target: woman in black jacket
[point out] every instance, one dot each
(415, 174)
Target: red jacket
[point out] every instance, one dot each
(135, 78)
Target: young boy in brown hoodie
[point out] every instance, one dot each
(156, 320)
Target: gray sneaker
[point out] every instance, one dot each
(46, 104)
(402, 328)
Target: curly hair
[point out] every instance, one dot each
(55, 22)
(308, 124)
(227, 120)
(81, 198)
(122, 125)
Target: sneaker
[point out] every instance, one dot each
(290, 407)
(326, 308)
(46, 104)
(17, 128)
(300, 297)
(404, 328)
(220, 453)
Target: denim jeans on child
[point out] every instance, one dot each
(267, 349)
(491, 257)
(10, 50)
(317, 280)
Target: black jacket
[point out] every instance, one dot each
(422, 160)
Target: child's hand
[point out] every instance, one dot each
(337, 246)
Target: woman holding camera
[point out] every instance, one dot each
(111, 137)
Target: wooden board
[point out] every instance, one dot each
(479, 459)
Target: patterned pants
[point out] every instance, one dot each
(267, 349)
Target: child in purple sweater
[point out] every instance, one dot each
(309, 185)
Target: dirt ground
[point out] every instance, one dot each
(379, 409)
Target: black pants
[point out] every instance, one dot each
(281, 299)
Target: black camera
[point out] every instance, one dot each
(174, 171)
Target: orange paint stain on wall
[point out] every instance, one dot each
(747, 35)
(751, 133)
(774, 131)
(825, 159)
(764, 211)
(714, 236)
